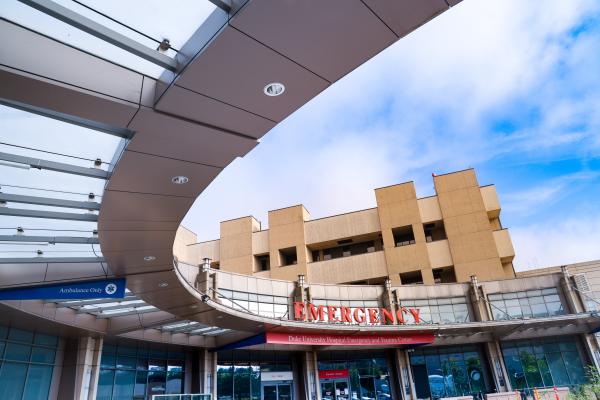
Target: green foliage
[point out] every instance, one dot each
(590, 390)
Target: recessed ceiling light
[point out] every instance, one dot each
(163, 284)
(180, 180)
(219, 317)
(194, 306)
(274, 89)
(149, 258)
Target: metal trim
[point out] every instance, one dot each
(49, 239)
(19, 212)
(101, 32)
(55, 166)
(47, 201)
(52, 260)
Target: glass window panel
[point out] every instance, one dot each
(43, 355)
(12, 380)
(126, 350)
(124, 384)
(47, 25)
(156, 383)
(105, 384)
(508, 296)
(536, 300)
(157, 365)
(575, 369)
(45, 340)
(557, 369)
(265, 299)
(555, 308)
(514, 312)
(108, 361)
(17, 352)
(530, 367)
(3, 332)
(126, 362)
(526, 311)
(531, 293)
(512, 303)
(550, 298)
(240, 296)
(539, 310)
(515, 370)
(38, 382)
(139, 391)
(544, 370)
(494, 297)
(549, 291)
(19, 335)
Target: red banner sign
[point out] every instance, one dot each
(333, 374)
(312, 339)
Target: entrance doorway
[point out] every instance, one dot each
(335, 389)
(277, 391)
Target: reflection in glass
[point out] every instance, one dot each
(448, 372)
(543, 363)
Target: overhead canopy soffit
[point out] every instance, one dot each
(95, 118)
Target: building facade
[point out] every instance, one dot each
(443, 238)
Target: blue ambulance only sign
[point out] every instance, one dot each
(105, 288)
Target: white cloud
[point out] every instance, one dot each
(423, 106)
(557, 242)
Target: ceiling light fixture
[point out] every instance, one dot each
(274, 89)
(163, 285)
(180, 180)
(149, 258)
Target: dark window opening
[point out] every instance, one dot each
(444, 275)
(262, 262)
(316, 256)
(434, 231)
(348, 250)
(411, 278)
(403, 236)
(215, 265)
(288, 256)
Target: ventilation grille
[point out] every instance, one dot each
(581, 283)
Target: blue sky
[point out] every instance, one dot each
(509, 87)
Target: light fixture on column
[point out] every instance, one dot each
(206, 264)
(388, 284)
(301, 280)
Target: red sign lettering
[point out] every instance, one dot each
(358, 315)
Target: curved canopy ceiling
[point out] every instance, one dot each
(104, 104)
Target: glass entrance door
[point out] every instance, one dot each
(335, 389)
(281, 391)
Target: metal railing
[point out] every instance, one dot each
(197, 396)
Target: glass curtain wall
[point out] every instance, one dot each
(239, 372)
(529, 303)
(544, 363)
(138, 373)
(368, 374)
(438, 311)
(27, 362)
(448, 372)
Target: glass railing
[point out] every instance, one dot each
(202, 396)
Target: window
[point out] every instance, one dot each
(28, 357)
(438, 310)
(444, 275)
(543, 363)
(345, 250)
(139, 373)
(264, 305)
(530, 303)
(448, 372)
(411, 278)
(288, 256)
(403, 236)
(262, 262)
(434, 231)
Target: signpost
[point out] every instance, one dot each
(105, 288)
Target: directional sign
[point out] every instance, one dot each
(105, 288)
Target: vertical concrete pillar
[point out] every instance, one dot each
(407, 386)
(497, 367)
(208, 372)
(310, 375)
(590, 343)
(81, 364)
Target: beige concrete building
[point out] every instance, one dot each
(443, 238)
